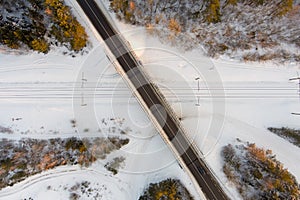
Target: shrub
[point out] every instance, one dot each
(292, 135)
(166, 189)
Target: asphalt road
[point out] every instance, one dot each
(206, 180)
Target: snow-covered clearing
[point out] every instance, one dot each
(46, 91)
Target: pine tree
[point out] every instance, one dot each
(230, 2)
(213, 14)
(284, 7)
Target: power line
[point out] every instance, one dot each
(68, 90)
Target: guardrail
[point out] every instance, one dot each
(107, 15)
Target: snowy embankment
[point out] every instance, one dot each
(253, 104)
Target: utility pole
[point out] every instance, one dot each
(198, 101)
(197, 79)
(293, 79)
(296, 78)
(198, 84)
(83, 80)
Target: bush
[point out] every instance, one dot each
(167, 189)
(292, 135)
(75, 144)
(114, 165)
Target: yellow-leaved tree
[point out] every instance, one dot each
(40, 45)
(174, 26)
(213, 14)
(284, 6)
(79, 36)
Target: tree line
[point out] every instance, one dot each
(208, 10)
(36, 24)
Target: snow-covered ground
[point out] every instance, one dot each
(233, 100)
